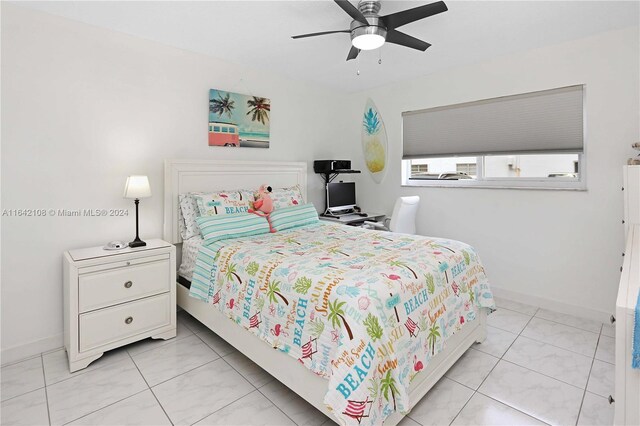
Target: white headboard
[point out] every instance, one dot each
(182, 176)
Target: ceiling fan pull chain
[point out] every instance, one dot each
(380, 56)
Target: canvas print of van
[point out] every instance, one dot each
(238, 120)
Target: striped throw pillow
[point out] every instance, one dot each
(294, 216)
(224, 227)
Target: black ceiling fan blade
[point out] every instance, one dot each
(353, 53)
(352, 11)
(396, 37)
(319, 34)
(398, 19)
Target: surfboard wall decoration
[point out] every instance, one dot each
(374, 142)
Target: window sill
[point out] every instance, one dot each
(572, 186)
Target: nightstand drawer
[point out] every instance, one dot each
(106, 288)
(109, 325)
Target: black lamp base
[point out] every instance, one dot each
(137, 243)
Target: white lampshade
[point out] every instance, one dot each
(137, 187)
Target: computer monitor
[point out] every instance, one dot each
(341, 196)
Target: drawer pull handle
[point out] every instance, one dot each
(128, 284)
(129, 320)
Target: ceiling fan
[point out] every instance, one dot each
(370, 31)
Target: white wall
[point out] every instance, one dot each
(82, 108)
(559, 246)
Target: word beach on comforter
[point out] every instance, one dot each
(365, 309)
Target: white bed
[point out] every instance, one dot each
(182, 176)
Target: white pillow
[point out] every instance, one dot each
(286, 197)
(188, 215)
(189, 210)
(224, 203)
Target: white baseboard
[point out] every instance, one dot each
(28, 350)
(553, 305)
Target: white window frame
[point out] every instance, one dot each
(545, 183)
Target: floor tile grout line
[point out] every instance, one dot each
(465, 404)
(209, 346)
(224, 406)
(22, 394)
(181, 374)
(277, 406)
(106, 406)
(543, 374)
(258, 388)
(546, 343)
(554, 321)
(44, 380)
(584, 394)
(588, 376)
(512, 407)
(489, 373)
(149, 387)
(18, 361)
(232, 367)
(167, 341)
(558, 347)
(46, 394)
(122, 348)
(511, 362)
(502, 359)
(240, 372)
(85, 370)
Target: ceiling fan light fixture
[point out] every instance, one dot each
(368, 38)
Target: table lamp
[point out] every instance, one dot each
(137, 187)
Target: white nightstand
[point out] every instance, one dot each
(113, 298)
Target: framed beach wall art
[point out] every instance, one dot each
(238, 120)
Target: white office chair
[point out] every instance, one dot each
(403, 219)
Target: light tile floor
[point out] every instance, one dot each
(536, 367)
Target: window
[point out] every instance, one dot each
(468, 169)
(232, 130)
(442, 168)
(533, 140)
(216, 128)
(225, 130)
(539, 170)
(419, 169)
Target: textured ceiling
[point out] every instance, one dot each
(257, 33)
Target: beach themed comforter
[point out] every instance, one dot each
(365, 309)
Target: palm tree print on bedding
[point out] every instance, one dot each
(365, 309)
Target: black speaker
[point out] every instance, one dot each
(331, 166)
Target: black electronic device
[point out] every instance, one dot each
(341, 196)
(331, 166)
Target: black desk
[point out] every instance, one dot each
(353, 219)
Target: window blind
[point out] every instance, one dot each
(549, 121)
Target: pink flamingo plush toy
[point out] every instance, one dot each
(263, 206)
